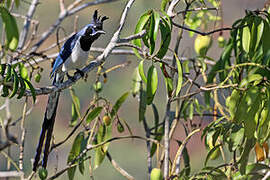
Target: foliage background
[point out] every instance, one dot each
(128, 153)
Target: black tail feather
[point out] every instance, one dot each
(48, 124)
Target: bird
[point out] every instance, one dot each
(72, 56)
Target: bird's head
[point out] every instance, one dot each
(95, 28)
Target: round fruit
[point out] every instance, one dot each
(37, 77)
(202, 44)
(97, 87)
(120, 127)
(106, 120)
(221, 41)
(156, 174)
(42, 173)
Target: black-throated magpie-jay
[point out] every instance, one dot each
(73, 55)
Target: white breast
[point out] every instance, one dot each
(77, 58)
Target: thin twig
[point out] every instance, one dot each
(199, 32)
(118, 168)
(24, 33)
(22, 135)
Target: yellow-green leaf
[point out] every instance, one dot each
(139, 27)
(180, 75)
(11, 29)
(93, 114)
(152, 84)
(141, 71)
(246, 38)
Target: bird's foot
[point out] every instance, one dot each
(71, 77)
(84, 75)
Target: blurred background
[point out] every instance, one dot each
(130, 154)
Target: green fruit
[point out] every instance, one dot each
(97, 87)
(120, 127)
(202, 44)
(106, 120)
(42, 173)
(156, 174)
(221, 41)
(37, 78)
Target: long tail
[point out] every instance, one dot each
(48, 123)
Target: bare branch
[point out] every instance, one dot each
(27, 21)
(118, 168)
(171, 7)
(6, 174)
(202, 33)
(62, 16)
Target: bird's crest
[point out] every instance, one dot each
(98, 21)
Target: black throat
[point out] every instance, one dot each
(86, 42)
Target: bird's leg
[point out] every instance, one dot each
(70, 77)
(78, 71)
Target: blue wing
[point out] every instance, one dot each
(64, 53)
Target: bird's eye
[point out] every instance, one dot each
(88, 31)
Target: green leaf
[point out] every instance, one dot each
(141, 71)
(15, 83)
(93, 114)
(213, 150)
(74, 153)
(250, 78)
(8, 74)
(246, 37)
(5, 91)
(142, 104)
(154, 27)
(3, 69)
(136, 82)
(165, 29)
(152, 84)
(163, 5)
(104, 133)
(118, 104)
(236, 138)
(245, 155)
(180, 76)
(83, 147)
(22, 88)
(254, 104)
(266, 36)
(32, 89)
(259, 34)
(75, 108)
(99, 157)
(139, 27)
(11, 29)
(232, 102)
